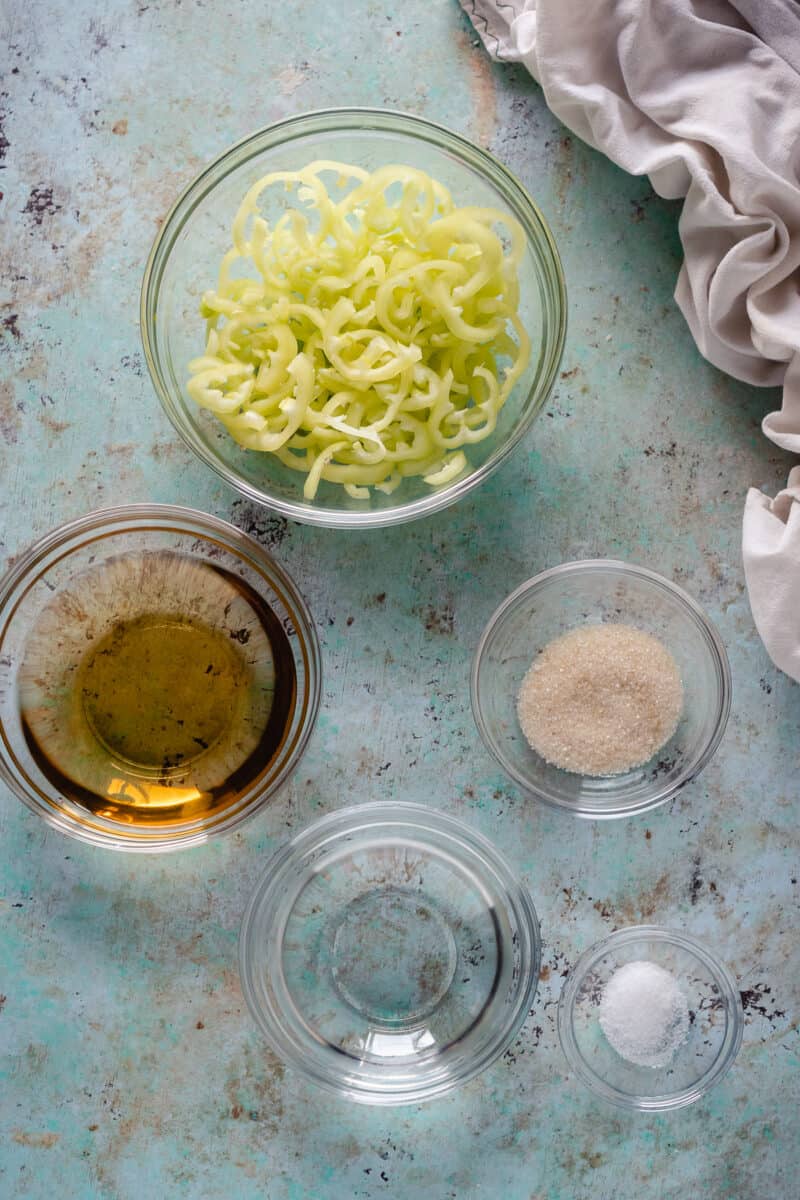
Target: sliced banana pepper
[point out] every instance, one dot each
(368, 332)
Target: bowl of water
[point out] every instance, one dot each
(389, 954)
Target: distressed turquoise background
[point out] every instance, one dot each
(129, 1067)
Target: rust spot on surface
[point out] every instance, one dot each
(10, 323)
(544, 974)
(39, 1141)
(4, 142)
(257, 1089)
(199, 1025)
(669, 451)
(270, 531)
(54, 426)
(647, 835)
(439, 620)
(79, 238)
(594, 1159)
(120, 127)
(99, 37)
(564, 173)
(293, 77)
(349, 1149)
(92, 1128)
(650, 902)
(40, 204)
(10, 422)
(758, 1000)
(482, 90)
(164, 450)
(431, 977)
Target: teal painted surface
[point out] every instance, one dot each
(129, 1068)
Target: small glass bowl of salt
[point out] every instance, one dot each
(650, 1019)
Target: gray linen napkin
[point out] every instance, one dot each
(704, 97)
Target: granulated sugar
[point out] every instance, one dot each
(644, 1014)
(601, 699)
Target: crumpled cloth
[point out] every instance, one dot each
(772, 539)
(704, 97)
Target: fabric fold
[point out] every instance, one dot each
(703, 96)
(771, 541)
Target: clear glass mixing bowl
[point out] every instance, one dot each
(69, 562)
(389, 954)
(185, 260)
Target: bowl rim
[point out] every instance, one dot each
(713, 641)
(340, 826)
(129, 518)
(722, 976)
(337, 118)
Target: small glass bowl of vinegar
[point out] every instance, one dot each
(159, 677)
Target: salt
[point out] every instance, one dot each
(644, 1014)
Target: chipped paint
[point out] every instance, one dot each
(292, 78)
(482, 75)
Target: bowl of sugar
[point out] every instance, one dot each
(650, 1019)
(601, 688)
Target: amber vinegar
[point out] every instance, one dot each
(156, 689)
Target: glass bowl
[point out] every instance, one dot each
(159, 677)
(185, 260)
(389, 954)
(590, 592)
(715, 1029)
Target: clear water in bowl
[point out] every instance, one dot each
(388, 953)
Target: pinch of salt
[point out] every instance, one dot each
(644, 1014)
